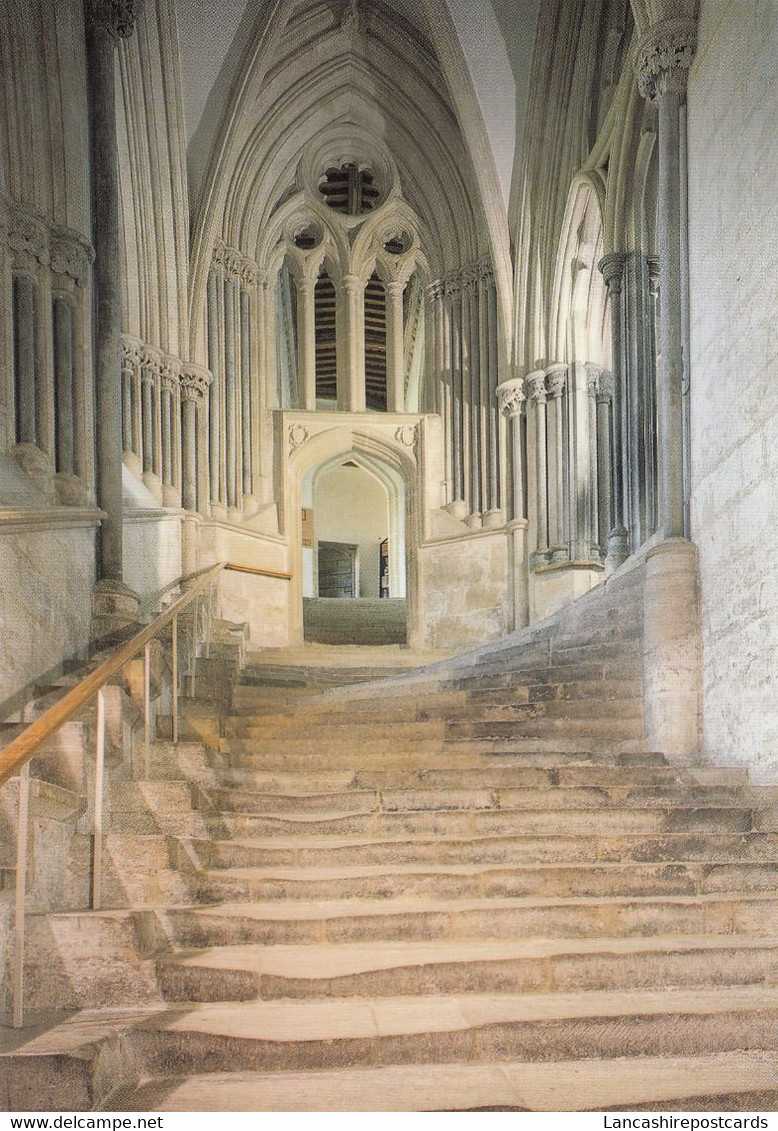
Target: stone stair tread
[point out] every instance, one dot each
(365, 871)
(549, 1086)
(336, 960)
(339, 1019)
(313, 842)
(366, 908)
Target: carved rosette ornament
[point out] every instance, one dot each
(298, 434)
(406, 435)
(511, 396)
(664, 56)
(117, 17)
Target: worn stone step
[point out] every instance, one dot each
(613, 727)
(505, 774)
(571, 821)
(737, 1081)
(304, 1036)
(243, 973)
(455, 754)
(443, 800)
(642, 848)
(468, 881)
(342, 921)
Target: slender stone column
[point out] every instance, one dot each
(128, 378)
(147, 418)
(230, 393)
(612, 267)
(167, 432)
(457, 394)
(556, 380)
(350, 350)
(214, 402)
(492, 338)
(24, 355)
(603, 396)
(107, 21)
(395, 353)
(194, 386)
(664, 57)
(306, 343)
(246, 383)
(511, 397)
(536, 384)
(63, 384)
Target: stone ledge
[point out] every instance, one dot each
(18, 520)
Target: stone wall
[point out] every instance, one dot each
(733, 215)
(464, 590)
(47, 577)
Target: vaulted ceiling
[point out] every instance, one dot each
(496, 39)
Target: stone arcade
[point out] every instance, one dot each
(449, 328)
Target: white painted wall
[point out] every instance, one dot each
(351, 506)
(733, 219)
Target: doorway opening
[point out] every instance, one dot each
(353, 556)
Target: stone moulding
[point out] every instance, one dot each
(18, 520)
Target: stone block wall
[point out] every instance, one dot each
(733, 217)
(464, 590)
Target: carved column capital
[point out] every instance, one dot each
(536, 385)
(664, 56)
(117, 17)
(556, 379)
(511, 396)
(28, 238)
(194, 381)
(71, 256)
(611, 267)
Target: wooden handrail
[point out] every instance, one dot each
(258, 572)
(24, 746)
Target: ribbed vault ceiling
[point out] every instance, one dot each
(496, 37)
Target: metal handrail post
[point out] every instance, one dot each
(174, 675)
(97, 838)
(22, 838)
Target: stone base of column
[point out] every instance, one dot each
(133, 464)
(493, 519)
(218, 512)
(457, 509)
(37, 465)
(71, 491)
(672, 649)
(250, 506)
(558, 553)
(114, 607)
(474, 521)
(154, 484)
(171, 496)
(618, 549)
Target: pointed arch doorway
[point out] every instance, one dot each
(354, 552)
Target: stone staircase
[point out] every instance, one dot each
(377, 888)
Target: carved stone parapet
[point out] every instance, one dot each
(611, 267)
(71, 255)
(556, 379)
(511, 396)
(664, 56)
(195, 381)
(536, 386)
(117, 17)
